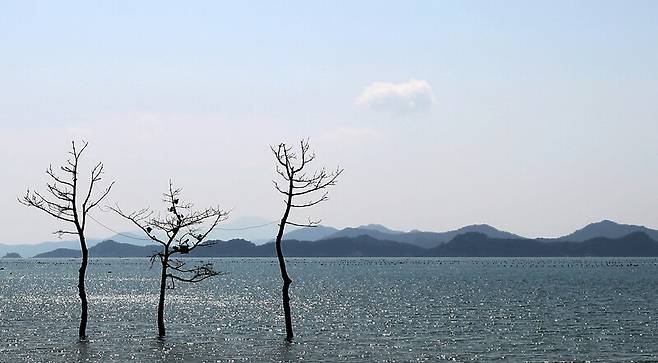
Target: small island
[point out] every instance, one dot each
(12, 255)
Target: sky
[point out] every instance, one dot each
(535, 117)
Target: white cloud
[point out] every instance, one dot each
(405, 97)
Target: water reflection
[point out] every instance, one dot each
(286, 351)
(159, 347)
(82, 348)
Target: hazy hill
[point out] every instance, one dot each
(351, 232)
(634, 244)
(240, 228)
(337, 247)
(324, 232)
(103, 249)
(608, 229)
(469, 244)
(310, 233)
(117, 249)
(432, 239)
(362, 246)
(60, 253)
(340, 247)
(479, 245)
(133, 238)
(30, 250)
(604, 229)
(419, 238)
(379, 228)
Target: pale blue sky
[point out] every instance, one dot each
(544, 114)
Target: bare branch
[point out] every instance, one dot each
(60, 233)
(276, 186)
(36, 200)
(57, 179)
(95, 176)
(321, 181)
(100, 199)
(140, 219)
(198, 273)
(324, 197)
(309, 224)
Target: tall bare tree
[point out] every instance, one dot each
(297, 183)
(179, 232)
(64, 201)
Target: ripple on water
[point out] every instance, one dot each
(377, 309)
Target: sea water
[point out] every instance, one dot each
(365, 309)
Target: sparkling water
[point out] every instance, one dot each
(366, 309)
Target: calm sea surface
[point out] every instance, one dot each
(367, 309)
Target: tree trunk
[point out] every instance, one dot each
(284, 273)
(286, 307)
(161, 301)
(82, 332)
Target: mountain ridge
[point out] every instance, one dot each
(424, 239)
(421, 238)
(609, 229)
(470, 244)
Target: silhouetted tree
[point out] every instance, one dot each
(179, 232)
(298, 183)
(64, 202)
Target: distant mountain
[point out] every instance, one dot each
(608, 229)
(419, 238)
(310, 233)
(259, 230)
(465, 242)
(363, 246)
(636, 244)
(351, 232)
(264, 231)
(117, 249)
(471, 244)
(12, 255)
(134, 238)
(379, 228)
(235, 248)
(30, 250)
(432, 239)
(103, 249)
(60, 253)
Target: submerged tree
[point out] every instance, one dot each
(297, 183)
(65, 202)
(179, 232)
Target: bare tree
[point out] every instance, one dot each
(62, 201)
(179, 232)
(298, 184)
